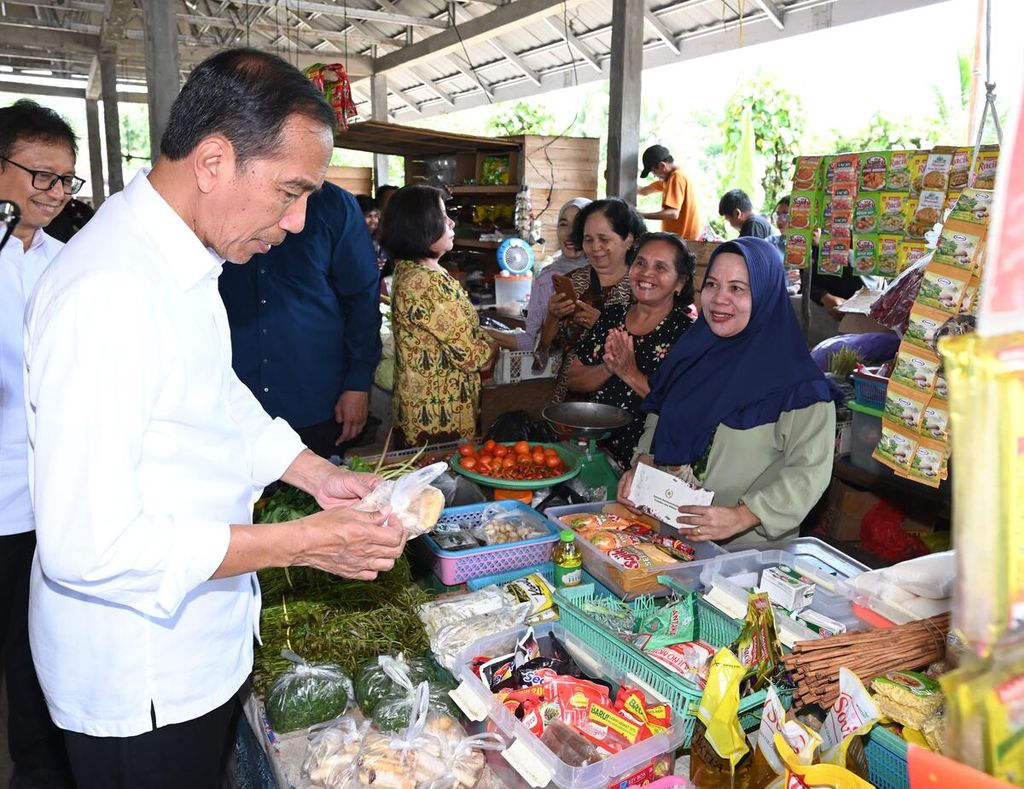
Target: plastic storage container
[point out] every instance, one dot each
(546, 570)
(826, 566)
(713, 627)
(822, 558)
(887, 759)
(864, 437)
(511, 367)
(631, 584)
(456, 567)
(869, 389)
(533, 762)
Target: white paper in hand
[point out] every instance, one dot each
(660, 494)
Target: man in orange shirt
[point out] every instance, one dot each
(679, 213)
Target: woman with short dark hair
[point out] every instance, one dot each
(617, 357)
(440, 348)
(606, 231)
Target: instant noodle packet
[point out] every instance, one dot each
(904, 405)
(898, 176)
(928, 462)
(873, 166)
(896, 447)
(958, 244)
(943, 287)
(865, 213)
(889, 255)
(974, 206)
(984, 173)
(865, 253)
(916, 368)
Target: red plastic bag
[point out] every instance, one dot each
(881, 533)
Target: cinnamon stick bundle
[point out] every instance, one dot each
(814, 665)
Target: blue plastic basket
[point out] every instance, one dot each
(712, 626)
(546, 570)
(887, 759)
(869, 389)
(456, 567)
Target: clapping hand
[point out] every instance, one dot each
(619, 353)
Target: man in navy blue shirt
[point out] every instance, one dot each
(305, 322)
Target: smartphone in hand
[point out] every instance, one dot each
(563, 286)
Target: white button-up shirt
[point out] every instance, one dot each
(144, 447)
(20, 269)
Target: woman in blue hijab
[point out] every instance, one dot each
(740, 407)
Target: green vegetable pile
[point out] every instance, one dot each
(306, 694)
(286, 504)
(330, 619)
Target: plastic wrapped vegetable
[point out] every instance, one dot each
(417, 504)
(432, 752)
(395, 712)
(378, 679)
(332, 753)
(306, 694)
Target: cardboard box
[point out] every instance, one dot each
(787, 588)
(847, 507)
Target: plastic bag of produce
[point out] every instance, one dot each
(306, 693)
(397, 711)
(378, 679)
(500, 525)
(417, 504)
(431, 752)
(454, 624)
(331, 754)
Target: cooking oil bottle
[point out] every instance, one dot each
(568, 561)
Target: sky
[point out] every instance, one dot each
(898, 60)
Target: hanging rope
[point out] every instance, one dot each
(990, 92)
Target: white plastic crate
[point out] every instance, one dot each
(512, 367)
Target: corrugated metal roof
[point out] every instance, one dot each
(432, 65)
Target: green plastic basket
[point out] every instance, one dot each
(712, 626)
(887, 759)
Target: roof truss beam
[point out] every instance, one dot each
(349, 12)
(558, 25)
(663, 32)
(772, 11)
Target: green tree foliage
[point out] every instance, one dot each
(522, 118)
(777, 116)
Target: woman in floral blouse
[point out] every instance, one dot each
(616, 358)
(440, 348)
(606, 231)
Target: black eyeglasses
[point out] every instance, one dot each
(45, 181)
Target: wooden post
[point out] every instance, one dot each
(111, 121)
(624, 97)
(92, 129)
(379, 112)
(160, 26)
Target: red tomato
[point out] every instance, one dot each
(524, 460)
(553, 461)
(485, 457)
(538, 459)
(466, 449)
(550, 451)
(470, 463)
(521, 447)
(508, 462)
(500, 451)
(490, 444)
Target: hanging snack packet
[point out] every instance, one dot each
(865, 253)
(852, 714)
(798, 248)
(985, 167)
(923, 324)
(974, 206)
(865, 213)
(935, 423)
(916, 368)
(808, 173)
(908, 697)
(802, 210)
(872, 171)
(911, 252)
(895, 448)
(889, 255)
(892, 209)
(898, 176)
(536, 591)
(904, 405)
(943, 287)
(960, 168)
(719, 756)
(757, 646)
(928, 462)
(802, 774)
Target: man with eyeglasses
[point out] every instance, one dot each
(37, 172)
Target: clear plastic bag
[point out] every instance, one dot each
(306, 694)
(332, 754)
(449, 640)
(376, 680)
(415, 502)
(433, 752)
(500, 525)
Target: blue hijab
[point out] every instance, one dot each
(741, 381)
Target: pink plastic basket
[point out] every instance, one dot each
(456, 567)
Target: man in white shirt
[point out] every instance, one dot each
(147, 452)
(37, 172)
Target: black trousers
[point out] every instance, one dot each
(189, 755)
(35, 744)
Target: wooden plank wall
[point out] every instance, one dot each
(357, 180)
(557, 169)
